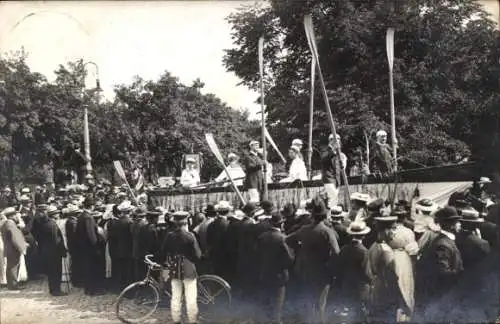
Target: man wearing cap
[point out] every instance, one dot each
(254, 167)
(216, 239)
(297, 169)
(138, 222)
(274, 259)
(235, 171)
(340, 224)
(181, 252)
(52, 249)
(72, 213)
(14, 247)
(120, 245)
(147, 242)
(315, 259)
(354, 276)
(331, 169)
(190, 176)
(382, 159)
(201, 229)
(440, 267)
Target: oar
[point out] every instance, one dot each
(263, 116)
(390, 59)
(308, 25)
(215, 149)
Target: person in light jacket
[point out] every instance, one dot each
(14, 247)
(234, 170)
(190, 177)
(297, 169)
(180, 252)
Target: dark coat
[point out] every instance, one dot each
(315, 258)
(330, 166)
(71, 238)
(216, 236)
(181, 252)
(120, 238)
(439, 269)
(50, 240)
(245, 264)
(88, 239)
(14, 243)
(489, 232)
(382, 160)
(148, 240)
(274, 258)
(473, 250)
(253, 169)
(354, 275)
(136, 228)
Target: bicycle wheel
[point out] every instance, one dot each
(214, 298)
(137, 302)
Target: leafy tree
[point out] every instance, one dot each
(446, 93)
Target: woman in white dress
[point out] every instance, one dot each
(23, 271)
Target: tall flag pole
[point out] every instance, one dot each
(308, 25)
(390, 58)
(311, 111)
(263, 116)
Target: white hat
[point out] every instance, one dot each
(337, 211)
(426, 205)
(232, 156)
(381, 133)
(331, 137)
(259, 212)
(484, 180)
(9, 211)
(71, 209)
(360, 196)
(190, 160)
(52, 210)
(6, 189)
(25, 190)
(223, 206)
(489, 203)
(24, 198)
(238, 214)
(297, 142)
(302, 212)
(125, 206)
(253, 143)
(358, 228)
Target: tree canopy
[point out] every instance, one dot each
(446, 72)
(153, 122)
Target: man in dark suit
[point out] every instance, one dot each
(72, 213)
(314, 263)
(354, 276)
(472, 247)
(331, 169)
(216, 239)
(254, 172)
(274, 259)
(14, 247)
(120, 245)
(52, 249)
(440, 268)
(138, 223)
(147, 242)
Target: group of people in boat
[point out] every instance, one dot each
(315, 261)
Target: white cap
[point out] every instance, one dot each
(297, 142)
(232, 156)
(360, 196)
(25, 190)
(331, 137)
(223, 206)
(381, 133)
(6, 189)
(190, 160)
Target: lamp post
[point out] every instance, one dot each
(86, 135)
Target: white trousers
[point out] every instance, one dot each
(191, 296)
(253, 195)
(332, 192)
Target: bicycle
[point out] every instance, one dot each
(207, 285)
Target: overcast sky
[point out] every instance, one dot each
(127, 38)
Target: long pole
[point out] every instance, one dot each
(86, 133)
(390, 59)
(263, 116)
(311, 112)
(312, 44)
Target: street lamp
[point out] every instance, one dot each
(86, 135)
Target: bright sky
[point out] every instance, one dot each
(127, 38)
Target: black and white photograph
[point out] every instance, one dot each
(249, 161)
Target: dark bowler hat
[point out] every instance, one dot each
(210, 210)
(276, 219)
(447, 213)
(375, 205)
(249, 209)
(267, 206)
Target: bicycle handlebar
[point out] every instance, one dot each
(150, 263)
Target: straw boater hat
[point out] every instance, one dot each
(360, 197)
(179, 216)
(25, 190)
(426, 206)
(52, 210)
(232, 156)
(72, 210)
(470, 215)
(24, 198)
(190, 160)
(125, 207)
(223, 206)
(337, 212)
(358, 228)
